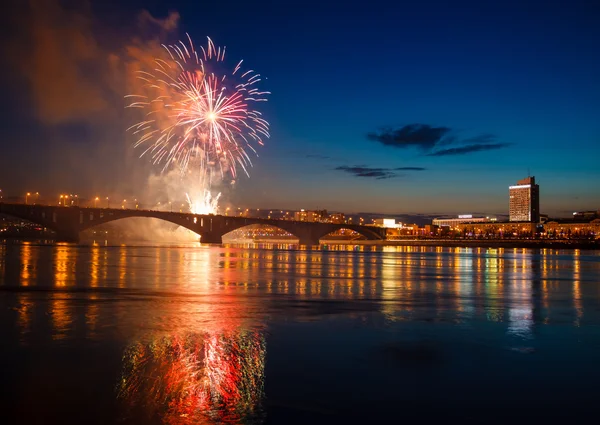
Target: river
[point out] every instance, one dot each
(275, 334)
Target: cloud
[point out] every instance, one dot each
(377, 173)
(410, 169)
(422, 136)
(485, 138)
(169, 23)
(468, 149)
(432, 141)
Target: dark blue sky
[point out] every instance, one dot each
(515, 87)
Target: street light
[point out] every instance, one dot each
(136, 204)
(37, 197)
(27, 197)
(124, 203)
(96, 202)
(171, 206)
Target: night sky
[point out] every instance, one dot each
(394, 107)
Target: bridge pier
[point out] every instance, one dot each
(309, 241)
(67, 236)
(211, 238)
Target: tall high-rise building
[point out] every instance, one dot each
(524, 201)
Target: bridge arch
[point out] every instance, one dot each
(350, 234)
(205, 226)
(140, 228)
(308, 233)
(261, 228)
(41, 218)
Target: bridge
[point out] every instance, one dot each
(68, 222)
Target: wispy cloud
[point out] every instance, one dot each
(410, 169)
(376, 173)
(430, 140)
(468, 149)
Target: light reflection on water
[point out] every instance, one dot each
(194, 323)
(195, 378)
(452, 283)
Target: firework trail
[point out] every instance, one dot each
(194, 111)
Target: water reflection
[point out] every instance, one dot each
(192, 319)
(28, 271)
(64, 264)
(61, 312)
(196, 378)
(520, 288)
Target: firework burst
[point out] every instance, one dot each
(192, 111)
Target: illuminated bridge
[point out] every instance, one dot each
(68, 222)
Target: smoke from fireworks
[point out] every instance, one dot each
(199, 118)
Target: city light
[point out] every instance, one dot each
(463, 226)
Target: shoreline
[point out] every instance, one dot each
(449, 243)
(459, 243)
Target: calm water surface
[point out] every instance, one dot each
(279, 335)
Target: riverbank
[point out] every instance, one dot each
(450, 243)
(479, 243)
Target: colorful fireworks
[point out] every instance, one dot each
(186, 379)
(194, 111)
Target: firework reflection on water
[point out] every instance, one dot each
(196, 378)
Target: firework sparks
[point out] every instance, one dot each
(194, 111)
(207, 205)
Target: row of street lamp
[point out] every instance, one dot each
(73, 200)
(28, 194)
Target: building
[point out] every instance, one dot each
(461, 219)
(338, 218)
(496, 229)
(311, 216)
(570, 229)
(389, 223)
(524, 201)
(585, 215)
